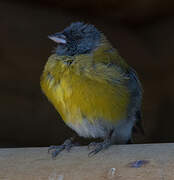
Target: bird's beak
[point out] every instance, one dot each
(57, 40)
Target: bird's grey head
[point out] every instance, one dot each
(78, 38)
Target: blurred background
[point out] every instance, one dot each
(142, 31)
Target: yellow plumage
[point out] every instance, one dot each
(83, 89)
(96, 93)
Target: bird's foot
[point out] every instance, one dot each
(55, 150)
(98, 146)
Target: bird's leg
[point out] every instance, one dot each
(67, 145)
(100, 146)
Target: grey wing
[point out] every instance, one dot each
(136, 99)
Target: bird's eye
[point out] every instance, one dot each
(78, 37)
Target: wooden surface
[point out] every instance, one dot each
(113, 163)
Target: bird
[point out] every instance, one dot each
(95, 91)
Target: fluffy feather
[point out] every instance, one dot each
(92, 88)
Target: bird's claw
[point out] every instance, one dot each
(98, 147)
(92, 145)
(55, 150)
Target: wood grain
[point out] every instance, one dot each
(113, 163)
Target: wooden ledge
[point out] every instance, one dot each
(117, 163)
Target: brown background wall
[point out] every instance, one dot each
(142, 31)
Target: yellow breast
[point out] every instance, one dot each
(86, 89)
